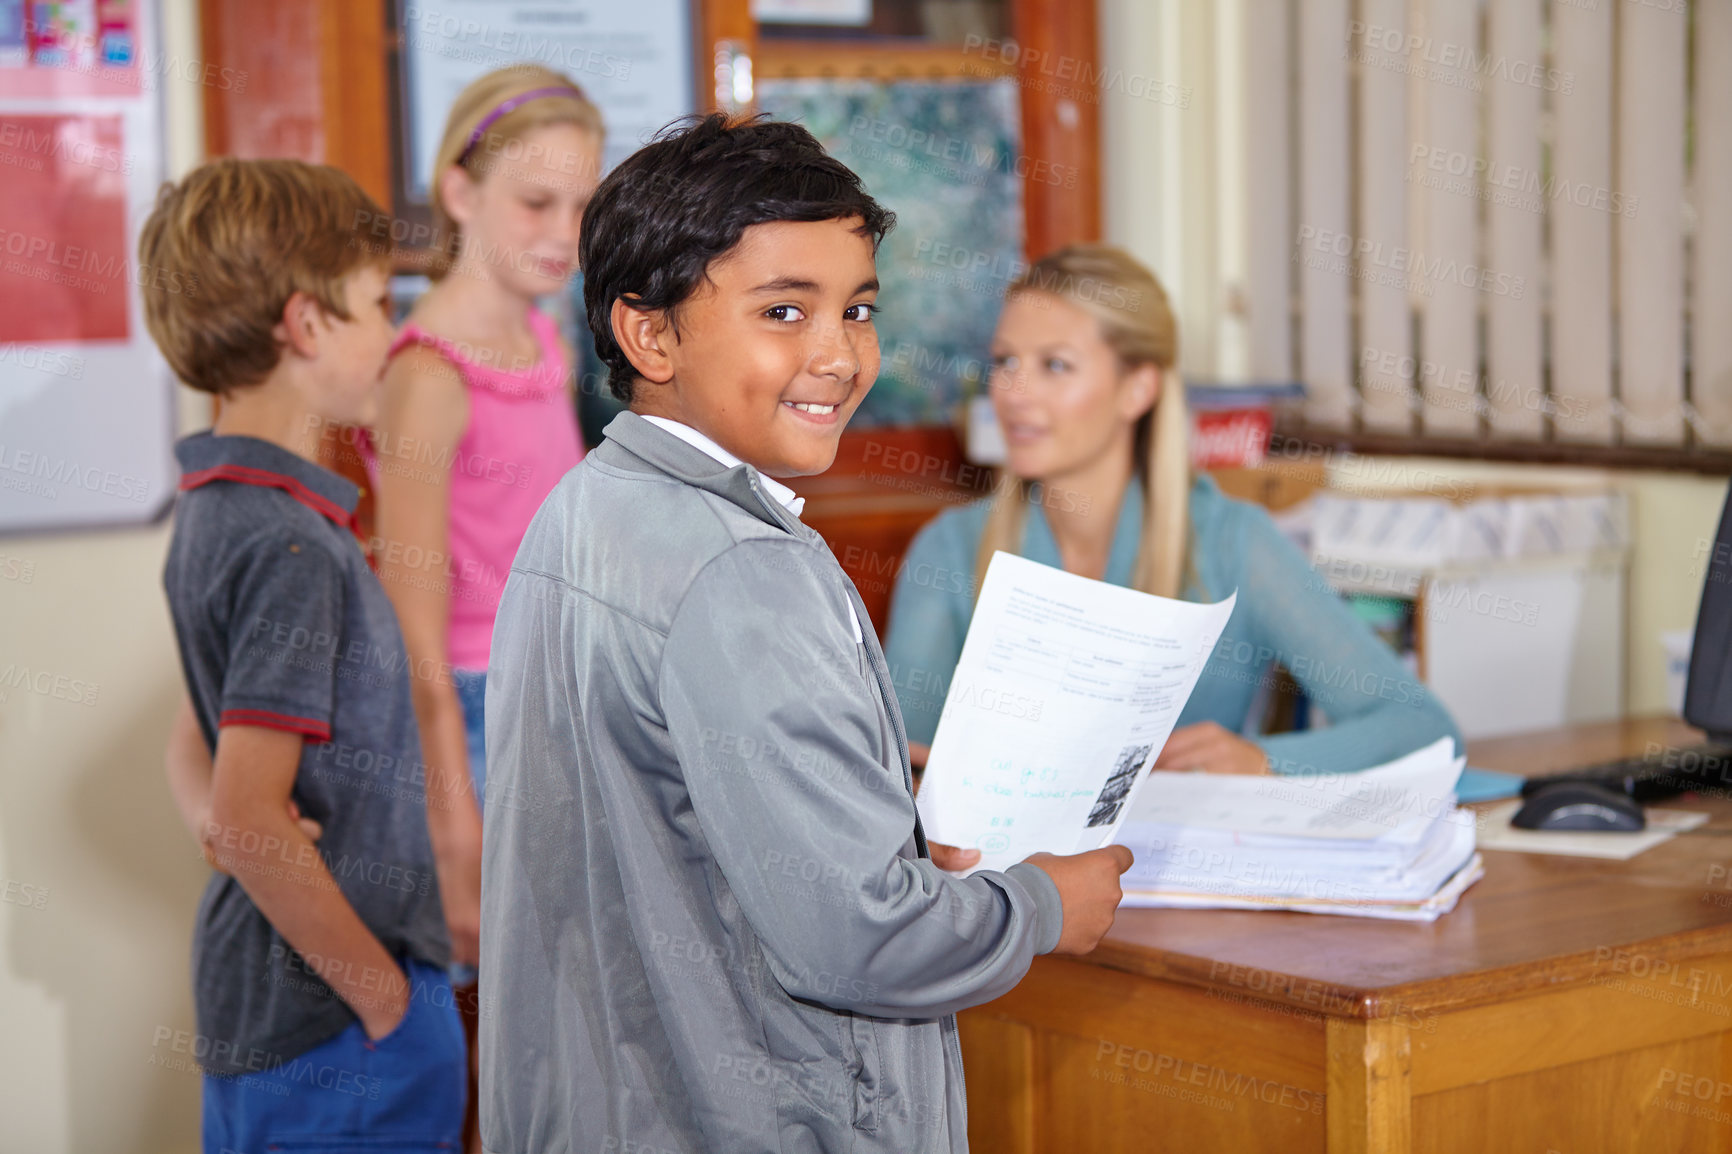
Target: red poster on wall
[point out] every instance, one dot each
(87, 405)
(65, 265)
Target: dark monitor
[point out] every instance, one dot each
(1708, 697)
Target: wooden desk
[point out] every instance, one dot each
(1566, 1005)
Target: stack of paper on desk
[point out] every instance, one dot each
(1388, 842)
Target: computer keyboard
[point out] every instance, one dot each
(1655, 776)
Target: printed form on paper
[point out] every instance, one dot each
(1065, 693)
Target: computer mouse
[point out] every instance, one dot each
(1579, 806)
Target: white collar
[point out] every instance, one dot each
(784, 495)
(774, 487)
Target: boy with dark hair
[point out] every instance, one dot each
(324, 1017)
(709, 917)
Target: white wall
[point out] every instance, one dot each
(1673, 517)
(88, 979)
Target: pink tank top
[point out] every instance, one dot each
(521, 439)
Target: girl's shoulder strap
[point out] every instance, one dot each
(544, 377)
(413, 334)
(552, 348)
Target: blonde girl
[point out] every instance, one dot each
(478, 421)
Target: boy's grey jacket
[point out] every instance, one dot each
(708, 920)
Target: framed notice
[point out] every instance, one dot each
(86, 403)
(856, 12)
(634, 59)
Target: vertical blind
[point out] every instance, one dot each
(1494, 219)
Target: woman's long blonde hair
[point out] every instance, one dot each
(1137, 324)
(482, 96)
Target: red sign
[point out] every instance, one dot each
(66, 270)
(1229, 438)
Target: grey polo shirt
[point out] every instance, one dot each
(282, 624)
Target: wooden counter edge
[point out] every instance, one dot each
(1453, 992)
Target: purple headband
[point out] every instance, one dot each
(510, 105)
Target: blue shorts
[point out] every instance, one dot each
(471, 685)
(405, 1092)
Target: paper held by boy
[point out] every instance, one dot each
(1066, 691)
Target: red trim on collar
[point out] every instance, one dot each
(264, 477)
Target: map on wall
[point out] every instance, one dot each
(946, 158)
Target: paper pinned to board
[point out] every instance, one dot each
(1066, 691)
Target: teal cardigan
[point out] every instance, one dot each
(1376, 709)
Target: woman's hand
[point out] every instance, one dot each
(1209, 748)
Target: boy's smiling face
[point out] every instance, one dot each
(774, 353)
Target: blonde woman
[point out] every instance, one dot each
(1098, 482)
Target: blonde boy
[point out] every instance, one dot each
(323, 1010)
